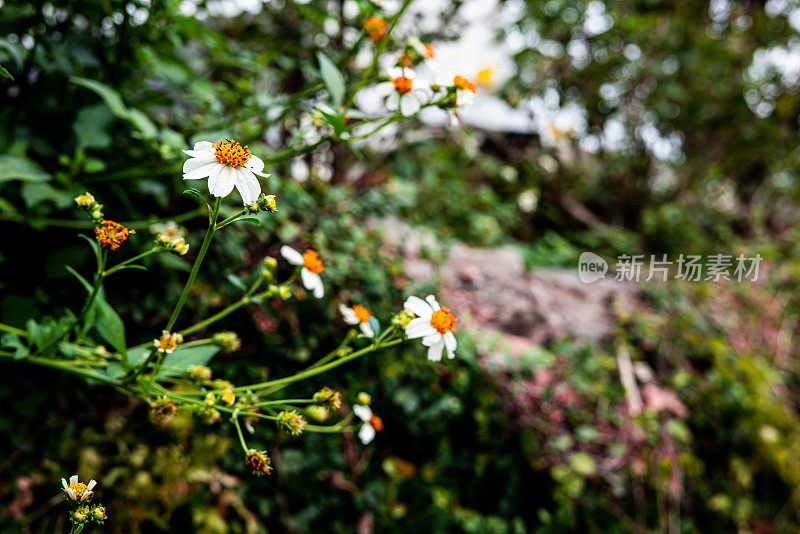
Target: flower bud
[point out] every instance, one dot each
(99, 514)
(317, 413)
(86, 201)
(252, 208)
(402, 319)
(328, 398)
(198, 373)
(227, 341)
(291, 422)
(267, 203)
(80, 515)
(208, 415)
(258, 462)
(364, 398)
(284, 292)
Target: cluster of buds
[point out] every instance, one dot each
(199, 373)
(263, 203)
(328, 398)
(170, 236)
(162, 411)
(168, 342)
(402, 319)
(268, 269)
(208, 414)
(79, 495)
(258, 462)
(226, 395)
(414, 52)
(88, 204)
(227, 341)
(291, 422)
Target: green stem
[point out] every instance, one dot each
(12, 330)
(196, 267)
(118, 266)
(216, 317)
(229, 220)
(288, 154)
(235, 419)
(318, 370)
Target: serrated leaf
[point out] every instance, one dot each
(333, 79)
(182, 358)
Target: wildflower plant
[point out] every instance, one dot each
(165, 370)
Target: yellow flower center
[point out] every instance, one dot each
(231, 153)
(428, 50)
(112, 234)
(361, 313)
(312, 262)
(443, 321)
(79, 487)
(463, 83)
(402, 84)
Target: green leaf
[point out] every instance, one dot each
(143, 123)
(115, 370)
(332, 78)
(4, 72)
(14, 168)
(374, 324)
(132, 266)
(182, 358)
(36, 193)
(236, 281)
(109, 96)
(251, 220)
(91, 126)
(109, 325)
(195, 193)
(12, 341)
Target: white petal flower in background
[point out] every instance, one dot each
(372, 423)
(226, 164)
(399, 92)
(357, 315)
(312, 266)
(433, 324)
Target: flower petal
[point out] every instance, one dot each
(291, 255)
(247, 185)
(256, 165)
(92, 483)
(366, 434)
(313, 282)
(362, 412)
(204, 146)
(409, 105)
(221, 182)
(73, 479)
(348, 314)
(197, 161)
(435, 352)
(420, 328)
(384, 89)
(201, 171)
(366, 329)
(432, 339)
(418, 307)
(393, 101)
(433, 302)
(450, 343)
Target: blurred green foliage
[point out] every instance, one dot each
(104, 98)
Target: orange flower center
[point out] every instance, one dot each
(376, 422)
(376, 27)
(231, 152)
(402, 84)
(428, 50)
(112, 234)
(361, 313)
(443, 321)
(79, 487)
(463, 83)
(312, 262)
(168, 342)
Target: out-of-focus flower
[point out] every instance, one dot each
(86, 201)
(162, 410)
(433, 324)
(258, 462)
(226, 164)
(364, 398)
(372, 423)
(376, 27)
(167, 342)
(208, 415)
(112, 234)
(198, 373)
(357, 315)
(328, 398)
(227, 397)
(465, 91)
(169, 229)
(291, 422)
(77, 490)
(312, 266)
(400, 93)
(415, 52)
(227, 341)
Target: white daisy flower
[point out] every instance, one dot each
(372, 423)
(433, 324)
(399, 92)
(312, 266)
(226, 164)
(357, 315)
(78, 491)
